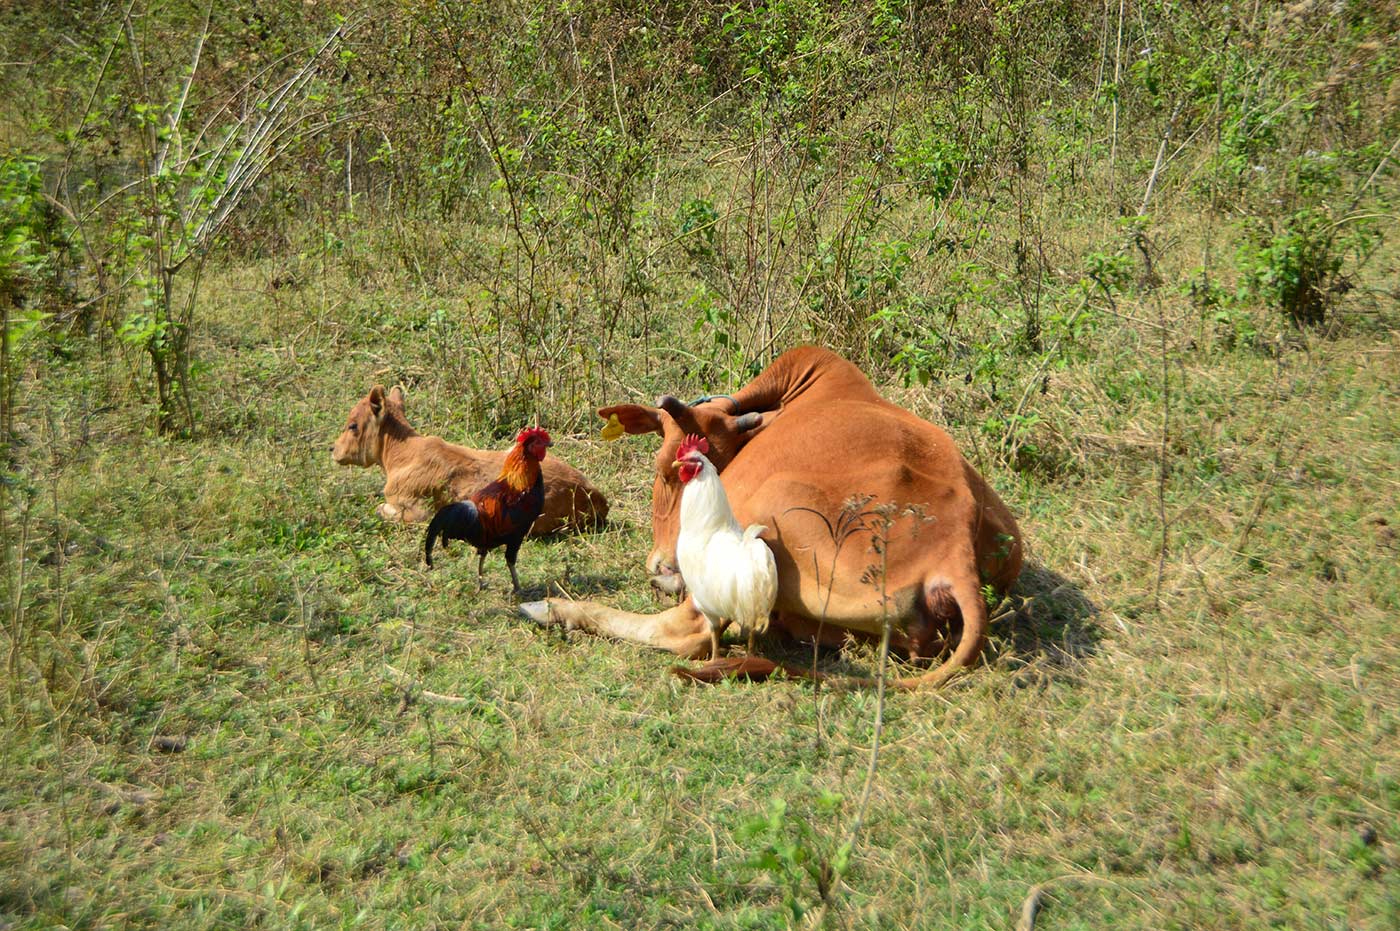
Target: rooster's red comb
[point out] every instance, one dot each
(533, 433)
(692, 444)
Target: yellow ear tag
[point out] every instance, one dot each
(613, 429)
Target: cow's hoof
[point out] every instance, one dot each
(537, 611)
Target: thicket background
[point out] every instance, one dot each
(1138, 258)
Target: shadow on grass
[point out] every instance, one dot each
(578, 586)
(1042, 631)
(1046, 624)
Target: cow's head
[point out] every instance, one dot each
(359, 443)
(673, 420)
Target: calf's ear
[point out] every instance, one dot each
(635, 418)
(396, 395)
(376, 401)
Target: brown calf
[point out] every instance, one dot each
(423, 473)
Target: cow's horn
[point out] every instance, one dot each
(671, 404)
(748, 422)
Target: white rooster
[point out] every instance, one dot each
(730, 572)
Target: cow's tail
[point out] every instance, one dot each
(748, 668)
(973, 607)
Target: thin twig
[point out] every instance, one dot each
(404, 681)
(1161, 161)
(1011, 424)
(1117, 90)
(178, 111)
(1163, 463)
(884, 515)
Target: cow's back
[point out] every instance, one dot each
(819, 452)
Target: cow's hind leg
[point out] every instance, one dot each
(680, 630)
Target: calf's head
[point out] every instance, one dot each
(360, 442)
(674, 420)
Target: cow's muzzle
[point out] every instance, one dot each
(666, 578)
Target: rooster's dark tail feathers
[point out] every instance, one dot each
(455, 522)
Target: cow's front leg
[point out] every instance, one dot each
(680, 630)
(404, 510)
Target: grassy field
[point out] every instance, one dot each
(206, 724)
(1139, 262)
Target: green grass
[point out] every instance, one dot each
(205, 638)
(1229, 760)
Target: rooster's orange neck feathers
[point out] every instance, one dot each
(520, 470)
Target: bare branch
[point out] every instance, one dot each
(177, 113)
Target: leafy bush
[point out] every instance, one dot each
(1296, 262)
(794, 852)
(26, 262)
(1294, 266)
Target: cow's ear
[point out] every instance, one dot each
(396, 395)
(376, 401)
(635, 418)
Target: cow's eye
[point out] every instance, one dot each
(354, 428)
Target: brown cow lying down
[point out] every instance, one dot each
(423, 473)
(793, 447)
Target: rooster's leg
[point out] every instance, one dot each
(752, 630)
(717, 628)
(480, 570)
(511, 550)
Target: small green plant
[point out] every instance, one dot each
(712, 315)
(930, 161)
(695, 222)
(795, 854)
(1293, 266)
(1295, 261)
(1222, 315)
(22, 261)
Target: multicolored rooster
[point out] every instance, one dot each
(501, 513)
(729, 571)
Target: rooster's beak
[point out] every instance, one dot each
(678, 463)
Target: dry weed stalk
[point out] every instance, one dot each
(850, 520)
(879, 522)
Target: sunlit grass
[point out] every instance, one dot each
(1228, 760)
